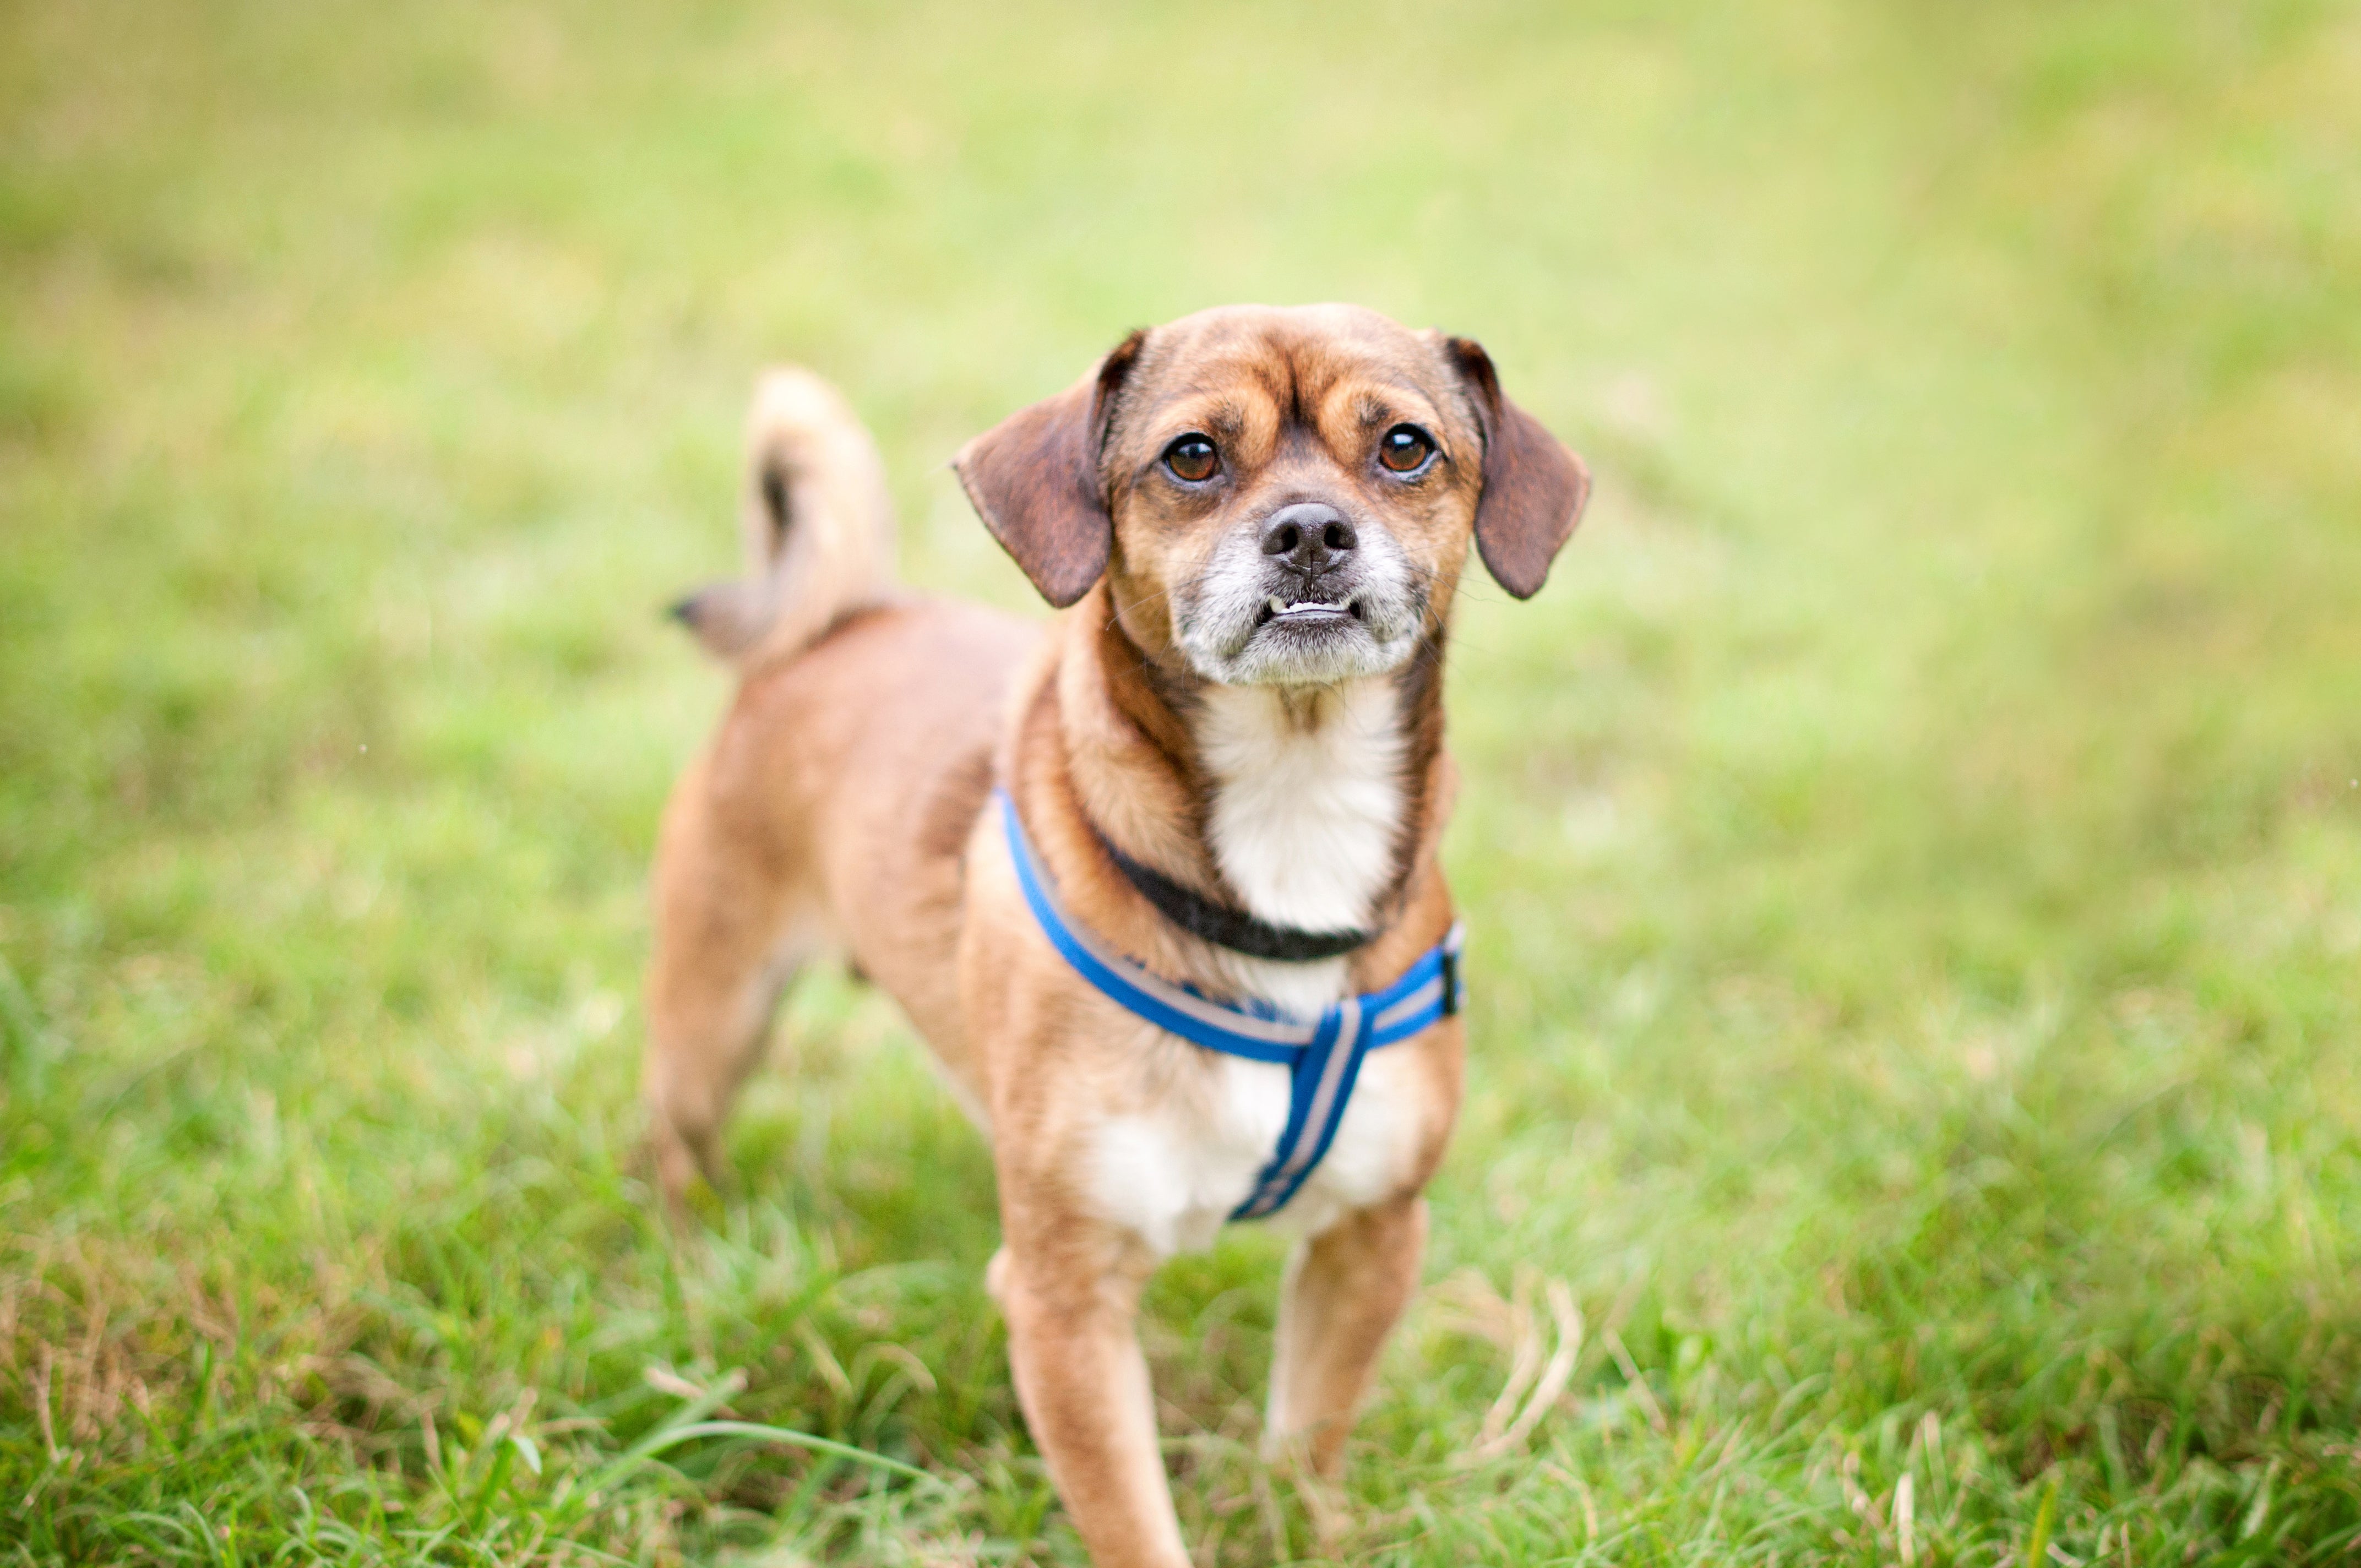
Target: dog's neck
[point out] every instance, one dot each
(1304, 807)
(1305, 797)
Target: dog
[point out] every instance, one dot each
(1104, 863)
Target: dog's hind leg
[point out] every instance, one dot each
(729, 935)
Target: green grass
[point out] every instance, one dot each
(1912, 848)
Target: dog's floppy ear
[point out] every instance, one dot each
(1533, 488)
(1033, 478)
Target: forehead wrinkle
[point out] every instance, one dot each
(1228, 413)
(1375, 399)
(1251, 381)
(1273, 369)
(1228, 418)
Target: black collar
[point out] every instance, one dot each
(1227, 928)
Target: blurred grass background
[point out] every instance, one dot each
(1912, 848)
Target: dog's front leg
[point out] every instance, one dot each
(1071, 1296)
(1343, 1290)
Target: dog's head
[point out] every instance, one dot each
(1279, 497)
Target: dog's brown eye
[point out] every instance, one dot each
(1193, 458)
(1404, 449)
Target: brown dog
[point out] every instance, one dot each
(1227, 757)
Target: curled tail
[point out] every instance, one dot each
(817, 519)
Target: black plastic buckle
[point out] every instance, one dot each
(1450, 982)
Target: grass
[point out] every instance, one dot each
(1912, 848)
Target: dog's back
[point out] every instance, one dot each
(832, 808)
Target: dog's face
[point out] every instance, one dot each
(1291, 495)
(1278, 497)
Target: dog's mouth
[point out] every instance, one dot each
(1286, 628)
(1306, 612)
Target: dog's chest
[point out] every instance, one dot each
(1302, 819)
(1173, 1173)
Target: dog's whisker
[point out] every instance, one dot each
(1148, 598)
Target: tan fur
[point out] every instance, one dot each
(841, 806)
(816, 520)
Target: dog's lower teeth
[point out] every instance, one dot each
(1280, 608)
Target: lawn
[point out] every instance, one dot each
(1912, 850)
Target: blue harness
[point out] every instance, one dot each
(1322, 1057)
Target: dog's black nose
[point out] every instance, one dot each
(1311, 535)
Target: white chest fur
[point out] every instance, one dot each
(1307, 802)
(1173, 1175)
